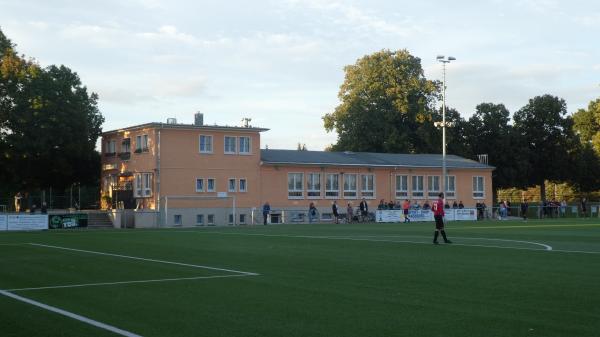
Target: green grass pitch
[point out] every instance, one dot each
(498, 278)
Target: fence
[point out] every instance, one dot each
(550, 212)
(79, 197)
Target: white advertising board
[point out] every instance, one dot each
(416, 215)
(3, 222)
(465, 214)
(27, 222)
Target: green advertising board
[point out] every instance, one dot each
(71, 220)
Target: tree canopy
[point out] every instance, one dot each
(386, 105)
(49, 124)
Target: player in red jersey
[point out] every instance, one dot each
(438, 214)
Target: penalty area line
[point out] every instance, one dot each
(128, 282)
(70, 314)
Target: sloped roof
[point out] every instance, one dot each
(324, 158)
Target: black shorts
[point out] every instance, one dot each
(405, 212)
(439, 221)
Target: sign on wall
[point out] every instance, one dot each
(70, 220)
(27, 222)
(416, 215)
(3, 222)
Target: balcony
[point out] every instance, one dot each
(125, 155)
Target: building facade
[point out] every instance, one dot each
(196, 174)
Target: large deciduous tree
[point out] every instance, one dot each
(49, 124)
(386, 106)
(548, 135)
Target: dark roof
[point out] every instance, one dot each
(323, 158)
(187, 127)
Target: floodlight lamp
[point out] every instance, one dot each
(451, 58)
(440, 57)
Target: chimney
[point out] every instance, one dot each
(483, 158)
(198, 119)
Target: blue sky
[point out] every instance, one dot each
(281, 62)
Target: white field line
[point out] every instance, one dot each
(13, 244)
(70, 315)
(546, 247)
(145, 259)
(527, 226)
(128, 282)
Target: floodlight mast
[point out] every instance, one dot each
(444, 60)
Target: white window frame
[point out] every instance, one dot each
(450, 193)
(313, 179)
(177, 217)
(214, 182)
(330, 192)
(210, 219)
(111, 146)
(243, 188)
(248, 144)
(350, 192)
(366, 191)
(225, 144)
(402, 190)
(126, 145)
(478, 191)
(231, 187)
(417, 193)
(141, 143)
(297, 190)
(201, 189)
(206, 144)
(231, 219)
(433, 190)
(143, 183)
(242, 219)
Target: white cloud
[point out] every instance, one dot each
(589, 20)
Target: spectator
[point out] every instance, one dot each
(334, 210)
(563, 208)
(461, 205)
(266, 210)
(44, 208)
(454, 204)
(416, 205)
(426, 205)
(382, 205)
(405, 207)
(584, 207)
(18, 199)
(364, 209)
(32, 209)
(349, 213)
(312, 212)
(447, 205)
(524, 208)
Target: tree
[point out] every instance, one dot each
(386, 105)
(585, 165)
(49, 124)
(488, 132)
(548, 135)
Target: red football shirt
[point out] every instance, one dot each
(438, 207)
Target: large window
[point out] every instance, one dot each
(401, 186)
(417, 186)
(433, 186)
(367, 186)
(478, 187)
(332, 186)
(206, 144)
(126, 145)
(243, 185)
(200, 219)
(350, 186)
(141, 143)
(244, 145)
(143, 184)
(231, 185)
(313, 185)
(111, 147)
(211, 185)
(229, 145)
(450, 186)
(199, 185)
(295, 185)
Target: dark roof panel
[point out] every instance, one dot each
(295, 157)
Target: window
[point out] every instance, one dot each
(111, 147)
(143, 185)
(200, 219)
(313, 185)
(295, 185)
(478, 187)
(177, 219)
(244, 145)
(350, 186)
(417, 186)
(206, 144)
(401, 186)
(230, 145)
(210, 185)
(231, 185)
(242, 218)
(433, 186)
(199, 185)
(367, 186)
(126, 145)
(243, 185)
(230, 219)
(450, 186)
(332, 186)
(210, 219)
(141, 143)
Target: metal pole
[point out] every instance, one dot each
(444, 131)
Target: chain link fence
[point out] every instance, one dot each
(75, 197)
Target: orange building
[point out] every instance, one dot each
(195, 174)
